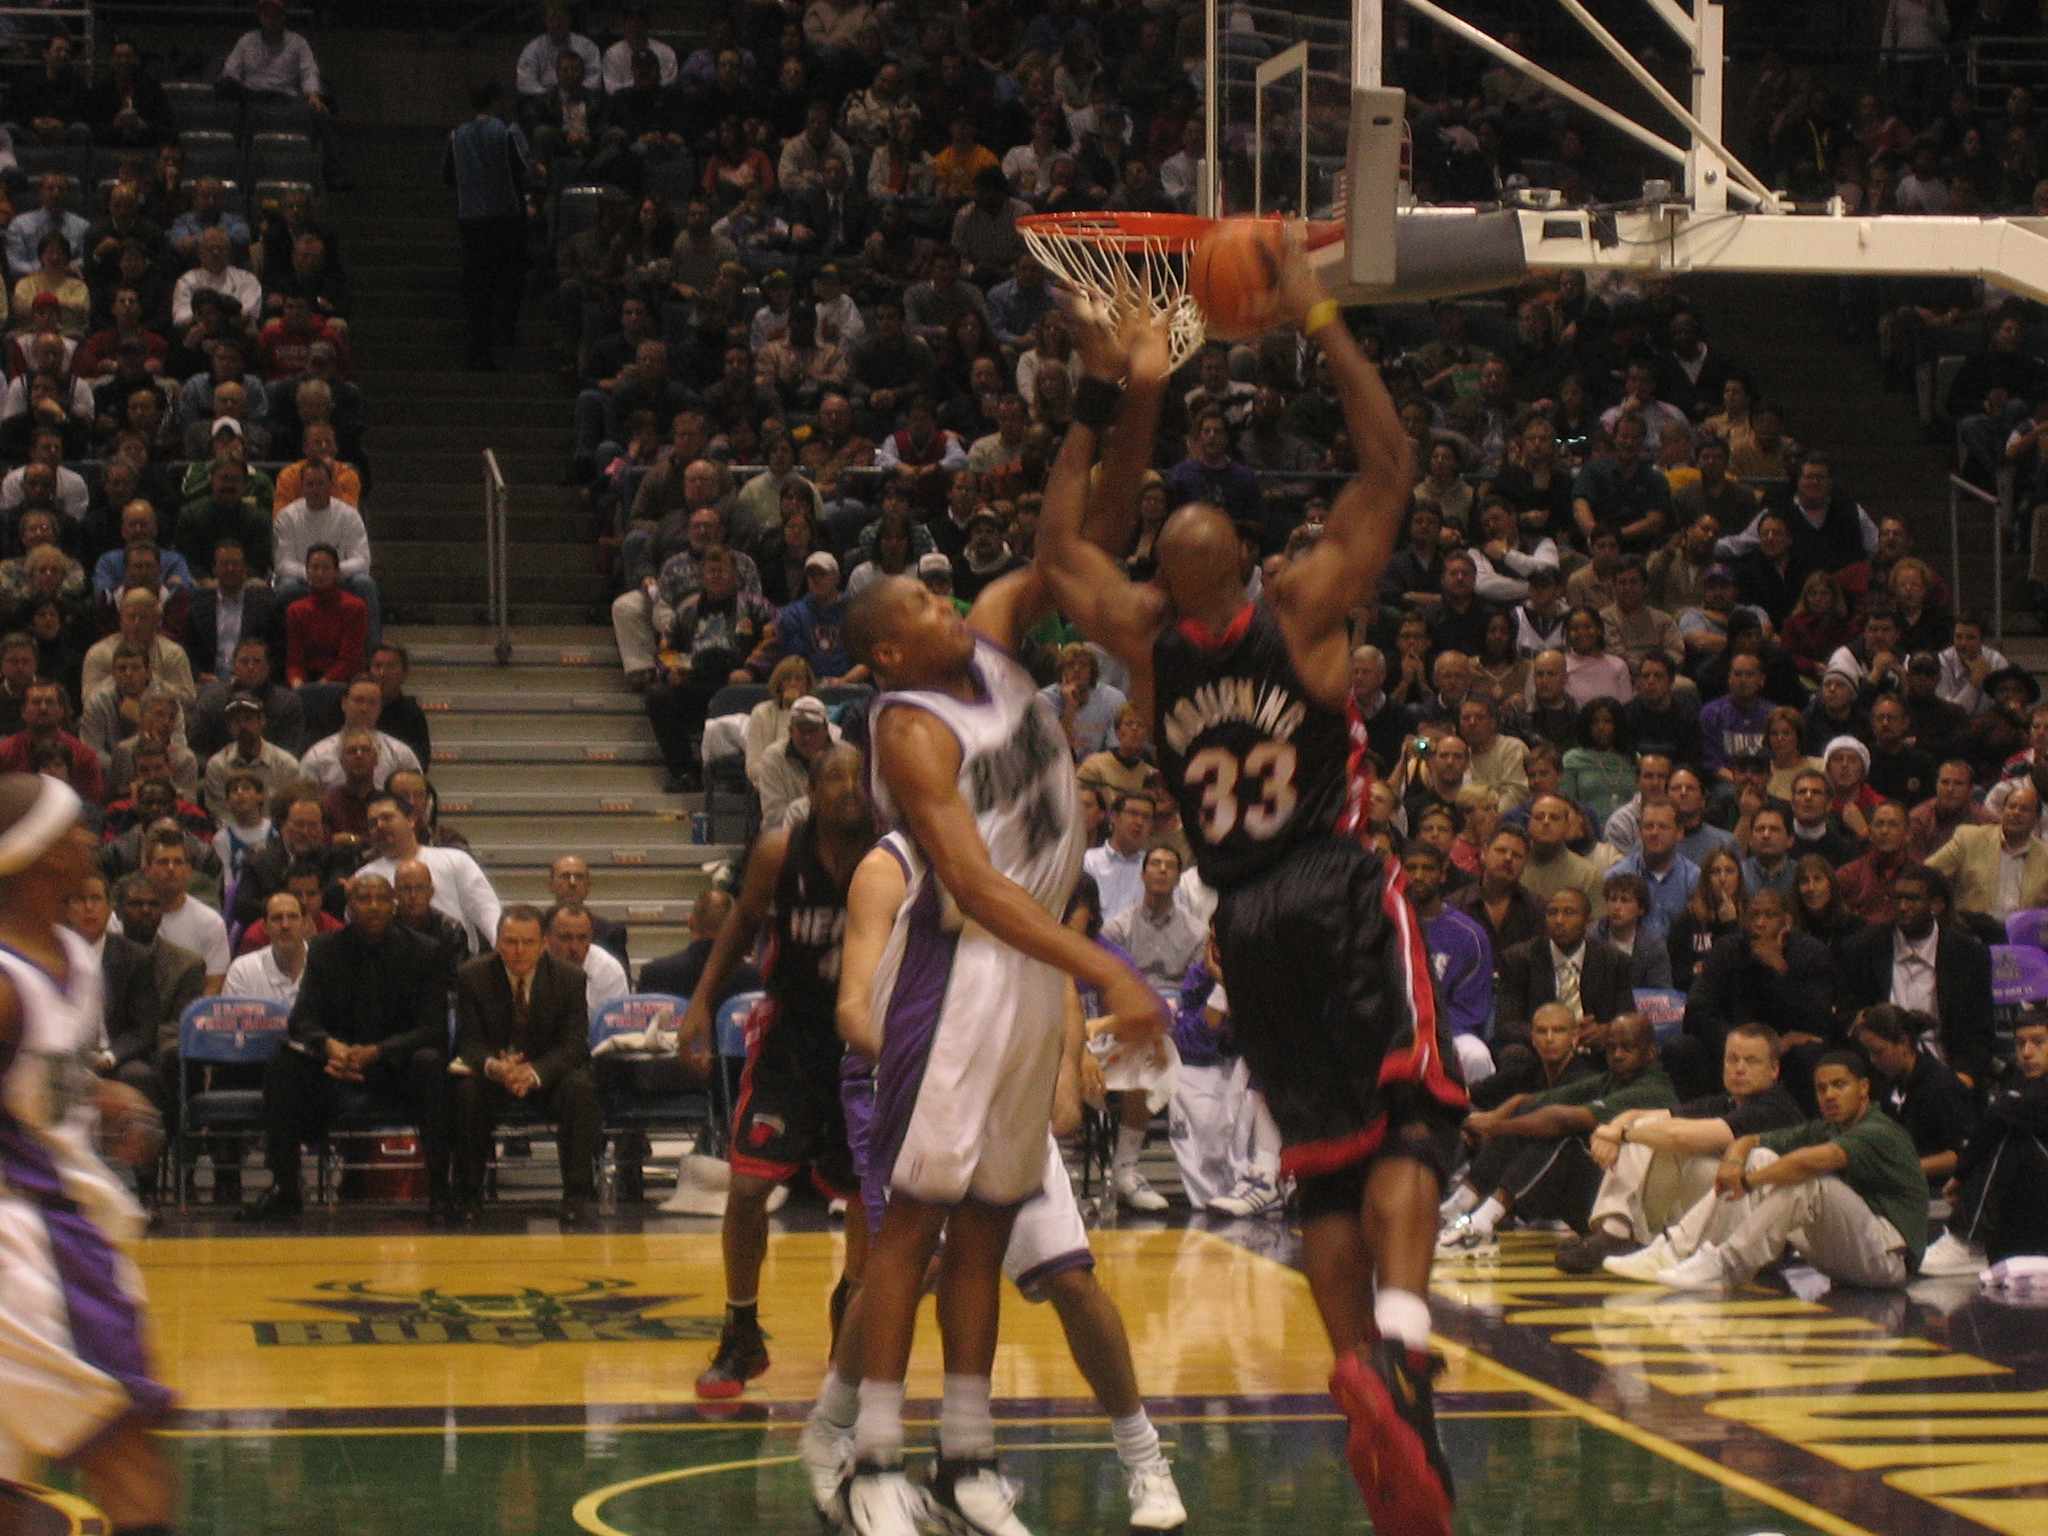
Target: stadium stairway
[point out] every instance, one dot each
(430, 421)
(552, 754)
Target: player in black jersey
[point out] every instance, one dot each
(1330, 990)
(789, 1115)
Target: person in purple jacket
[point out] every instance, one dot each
(1460, 956)
(1735, 723)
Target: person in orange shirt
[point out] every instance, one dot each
(348, 484)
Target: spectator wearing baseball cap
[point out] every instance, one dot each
(811, 628)
(783, 776)
(935, 570)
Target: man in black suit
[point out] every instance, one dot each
(284, 717)
(831, 220)
(1925, 965)
(372, 1016)
(677, 974)
(1566, 960)
(1766, 974)
(229, 610)
(569, 881)
(522, 1032)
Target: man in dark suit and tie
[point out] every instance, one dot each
(1925, 965)
(832, 219)
(1567, 965)
(221, 615)
(522, 1032)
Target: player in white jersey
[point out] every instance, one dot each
(973, 766)
(74, 1374)
(1048, 1258)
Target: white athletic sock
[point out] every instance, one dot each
(1403, 1316)
(1130, 1141)
(838, 1401)
(878, 1430)
(1137, 1442)
(1488, 1216)
(967, 1429)
(1462, 1199)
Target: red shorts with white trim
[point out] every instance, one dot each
(1334, 1008)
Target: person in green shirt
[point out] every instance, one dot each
(1532, 1157)
(1846, 1191)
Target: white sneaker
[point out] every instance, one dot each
(827, 1454)
(1132, 1190)
(1155, 1500)
(1950, 1255)
(1645, 1264)
(974, 1499)
(1463, 1237)
(883, 1502)
(1255, 1195)
(1702, 1272)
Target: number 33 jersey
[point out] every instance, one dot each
(1259, 767)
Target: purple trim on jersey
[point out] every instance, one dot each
(1462, 957)
(106, 1329)
(908, 1029)
(1038, 1274)
(857, 1102)
(63, 985)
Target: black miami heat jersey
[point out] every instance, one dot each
(1258, 765)
(809, 923)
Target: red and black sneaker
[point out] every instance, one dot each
(742, 1355)
(1393, 1448)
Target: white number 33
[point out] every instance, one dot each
(1267, 772)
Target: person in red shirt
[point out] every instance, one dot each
(281, 351)
(43, 711)
(327, 630)
(348, 803)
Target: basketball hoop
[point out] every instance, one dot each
(1135, 262)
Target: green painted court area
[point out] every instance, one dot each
(1526, 1470)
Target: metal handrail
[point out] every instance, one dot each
(1958, 488)
(496, 577)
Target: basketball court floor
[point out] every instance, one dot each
(518, 1380)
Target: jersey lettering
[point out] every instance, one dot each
(1015, 772)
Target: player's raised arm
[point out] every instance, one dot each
(1316, 592)
(1087, 584)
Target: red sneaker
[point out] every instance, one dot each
(742, 1355)
(1393, 1447)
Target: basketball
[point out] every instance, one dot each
(1234, 274)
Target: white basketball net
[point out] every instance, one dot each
(1125, 273)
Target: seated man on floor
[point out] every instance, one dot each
(372, 1016)
(1533, 1158)
(1551, 1059)
(1999, 1196)
(522, 1032)
(1845, 1191)
(1915, 1086)
(1660, 1162)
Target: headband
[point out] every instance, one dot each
(55, 809)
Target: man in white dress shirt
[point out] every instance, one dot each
(461, 888)
(359, 709)
(569, 938)
(1119, 864)
(272, 973)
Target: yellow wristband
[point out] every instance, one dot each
(1320, 314)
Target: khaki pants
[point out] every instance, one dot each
(1823, 1219)
(1646, 1190)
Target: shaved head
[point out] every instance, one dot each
(872, 615)
(1198, 547)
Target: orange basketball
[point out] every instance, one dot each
(1233, 275)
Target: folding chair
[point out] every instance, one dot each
(209, 152)
(725, 777)
(580, 208)
(195, 106)
(644, 1113)
(732, 1051)
(283, 157)
(221, 1031)
(38, 160)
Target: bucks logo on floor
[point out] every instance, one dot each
(26, 1510)
(598, 1312)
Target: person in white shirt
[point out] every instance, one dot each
(317, 518)
(1119, 864)
(216, 273)
(187, 922)
(273, 972)
(1967, 666)
(618, 59)
(535, 75)
(461, 889)
(359, 708)
(569, 937)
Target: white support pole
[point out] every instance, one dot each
(1368, 43)
(1211, 204)
(1563, 87)
(1707, 175)
(1671, 103)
